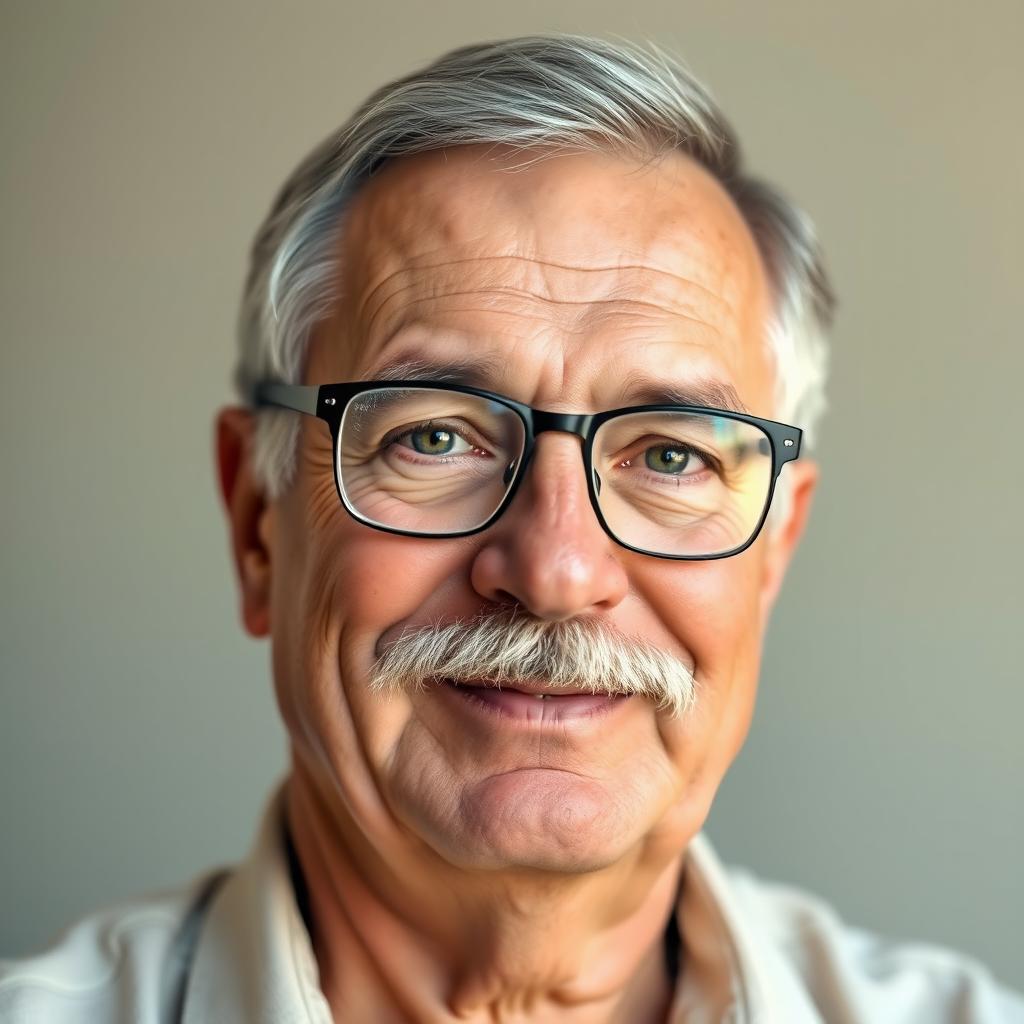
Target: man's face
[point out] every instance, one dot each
(576, 280)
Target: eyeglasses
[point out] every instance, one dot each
(423, 459)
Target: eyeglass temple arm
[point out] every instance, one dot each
(299, 397)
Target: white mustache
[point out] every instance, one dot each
(507, 647)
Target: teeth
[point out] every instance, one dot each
(541, 696)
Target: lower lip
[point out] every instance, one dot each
(525, 707)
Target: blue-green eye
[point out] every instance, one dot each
(433, 440)
(667, 458)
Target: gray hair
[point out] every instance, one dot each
(552, 93)
(507, 648)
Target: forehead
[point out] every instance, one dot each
(554, 270)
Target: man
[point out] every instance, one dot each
(533, 368)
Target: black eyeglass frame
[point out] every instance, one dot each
(328, 402)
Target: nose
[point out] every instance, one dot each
(548, 551)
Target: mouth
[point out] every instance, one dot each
(531, 702)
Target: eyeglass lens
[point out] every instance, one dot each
(432, 461)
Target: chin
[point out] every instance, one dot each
(539, 819)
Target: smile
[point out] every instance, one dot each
(530, 704)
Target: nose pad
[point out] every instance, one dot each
(597, 483)
(510, 471)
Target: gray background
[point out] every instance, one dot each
(141, 145)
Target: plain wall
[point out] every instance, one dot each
(141, 147)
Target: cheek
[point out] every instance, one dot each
(387, 582)
(712, 610)
(304, 597)
(348, 584)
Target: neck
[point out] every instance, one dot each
(412, 939)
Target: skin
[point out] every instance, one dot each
(477, 874)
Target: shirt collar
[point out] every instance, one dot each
(732, 969)
(254, 961)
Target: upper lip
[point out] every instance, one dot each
(524, 686)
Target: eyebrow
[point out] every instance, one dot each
(637, 389)
(704, 391)
(474, 373)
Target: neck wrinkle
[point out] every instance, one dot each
(376, 965)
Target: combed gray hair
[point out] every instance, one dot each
(552, 93)
(509, 647)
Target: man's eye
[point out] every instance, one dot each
(672, 459)
(435, 441)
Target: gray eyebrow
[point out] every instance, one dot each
(479, 372)
(637, 389)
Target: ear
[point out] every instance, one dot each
(248, 515)
(783, 536)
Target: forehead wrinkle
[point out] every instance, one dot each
(427, 232)
(448, 194)
(531, 308)
(661, 293)
(414, 263)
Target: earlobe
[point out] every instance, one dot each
(784, 536)
(248, 516)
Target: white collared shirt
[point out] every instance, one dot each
(232, 948)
